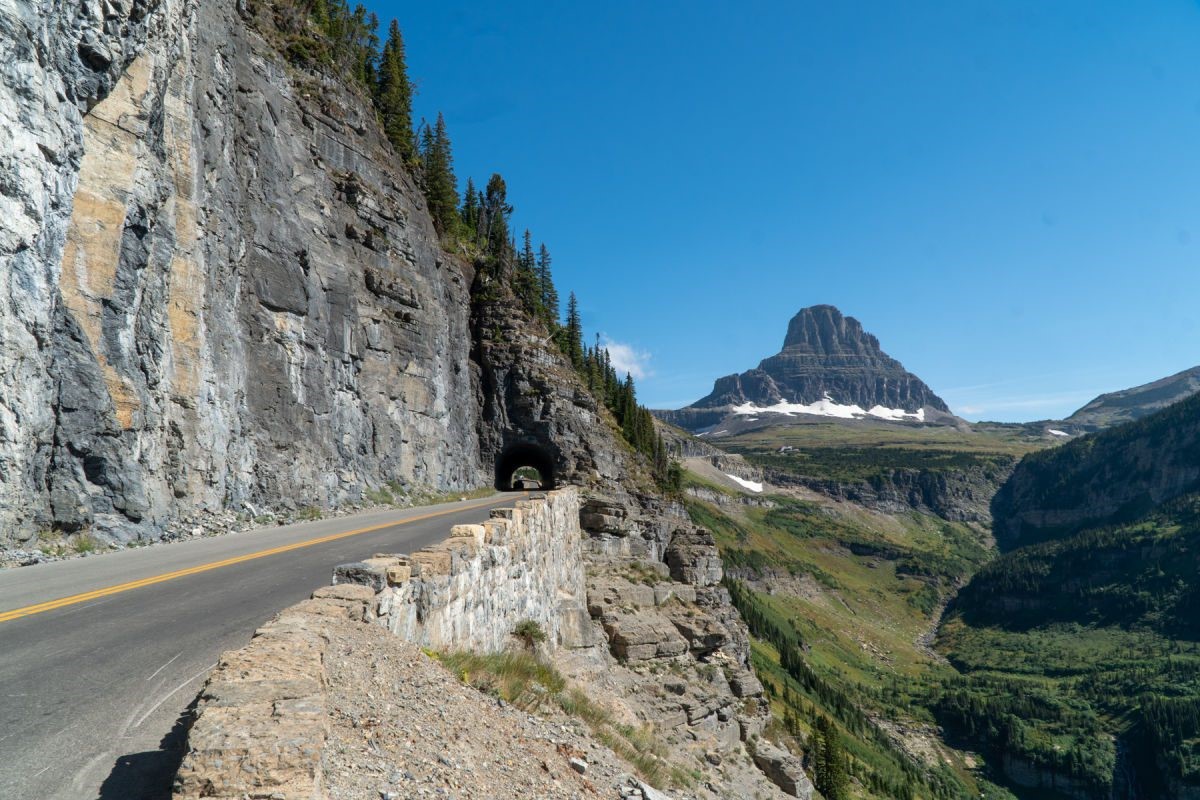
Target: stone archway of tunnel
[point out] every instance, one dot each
(526, 455)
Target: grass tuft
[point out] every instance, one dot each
(530, 684)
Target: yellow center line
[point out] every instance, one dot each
(71, 600)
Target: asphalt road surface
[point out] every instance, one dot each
(100, 657)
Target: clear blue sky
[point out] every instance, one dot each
(1006, 193)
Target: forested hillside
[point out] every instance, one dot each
(1115, 476)
(842, 580)
(1079, 649)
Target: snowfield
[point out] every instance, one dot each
(827, 407)
(753, 486)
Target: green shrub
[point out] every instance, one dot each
(529, 632)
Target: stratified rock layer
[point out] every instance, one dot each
(825, 354)
(219, 289)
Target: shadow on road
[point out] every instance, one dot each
(148, 776)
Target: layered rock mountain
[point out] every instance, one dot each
(828, 366)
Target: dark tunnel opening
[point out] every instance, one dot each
(524, 457)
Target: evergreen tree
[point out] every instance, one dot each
(425, 149)
(496, 210)
(546, 285)
(832, 779)
(393, 95)
(470, 211)
(573, 334)
(525, 282)
(441, 187)
(368, 47)
(320, 13)
(352, 39)
(527, 258)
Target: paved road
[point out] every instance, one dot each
(93, 690)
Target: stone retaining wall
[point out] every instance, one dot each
(262, 720)
(470, 591)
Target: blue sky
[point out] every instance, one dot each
(1006, 193)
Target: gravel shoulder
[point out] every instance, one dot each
(401, 726)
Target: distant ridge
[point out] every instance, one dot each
(1127, 405)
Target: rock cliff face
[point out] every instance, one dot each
(211, 260)
(962, 495)
(826, 354)
(532, 407)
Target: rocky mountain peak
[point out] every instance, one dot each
(824, 329)
(826, 357)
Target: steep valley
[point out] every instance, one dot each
(1079, 644)
(842, 564)
(1058, 660)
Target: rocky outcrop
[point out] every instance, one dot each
(785, 770)
(693, 558)
(531, 399)
(959, 495)
(824, 355)
(664, 609)
(1031, 776)
(215, 259)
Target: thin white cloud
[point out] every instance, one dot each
(627, 358)
(1047, 404)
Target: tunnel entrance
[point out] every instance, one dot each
(524, 466)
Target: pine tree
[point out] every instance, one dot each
(425, 149)
(526, 258)
(546, 284)
(393, 95)
(368, 47)
(832, 779)
(470, 211)
(496, 211)
(572, 341)
(446, 191)
(320, 13)
(525, 282)
(441, 187)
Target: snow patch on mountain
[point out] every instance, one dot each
(827, 407)
(753, 486)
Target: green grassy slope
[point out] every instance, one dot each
(843, 600)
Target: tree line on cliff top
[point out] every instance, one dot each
(332, 34)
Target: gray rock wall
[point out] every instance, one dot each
(218, 288)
